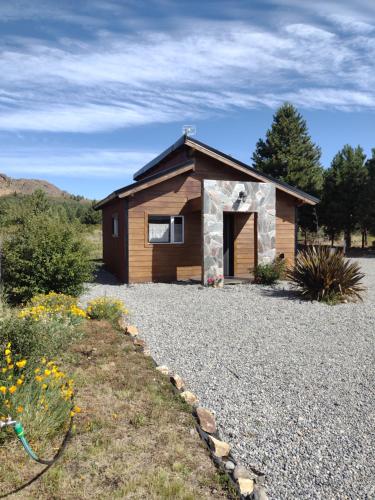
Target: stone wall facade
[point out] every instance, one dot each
(224, 196)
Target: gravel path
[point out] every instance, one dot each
(292, 382)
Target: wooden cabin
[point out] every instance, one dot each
(196, 213)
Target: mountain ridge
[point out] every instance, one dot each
(11, 186)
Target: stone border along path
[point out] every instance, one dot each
(249, 484)
(291, 382)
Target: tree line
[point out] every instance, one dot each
(346, 189)
(15, 208)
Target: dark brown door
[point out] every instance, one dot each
(228, 249)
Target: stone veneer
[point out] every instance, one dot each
(223, 196)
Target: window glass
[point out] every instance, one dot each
(115, 225)
(159, 229)
(178, 232)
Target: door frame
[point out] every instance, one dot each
(229, 233)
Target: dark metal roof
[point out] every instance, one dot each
(189, 141)
(257, 172)
(160, 157)
(149, 178)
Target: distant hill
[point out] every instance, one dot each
(9, 186)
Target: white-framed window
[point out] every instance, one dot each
(165, 229)
(115, 225)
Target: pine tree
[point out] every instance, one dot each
(367, 206)
(343, 195)
(288, 154)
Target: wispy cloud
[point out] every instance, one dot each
(122, 80)
(77, 163)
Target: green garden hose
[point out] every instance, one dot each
(20, 433)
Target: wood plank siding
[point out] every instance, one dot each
(114, 248)
(181, 195)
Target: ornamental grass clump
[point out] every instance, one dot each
(106, 308)
(326, 275)
(39, 394)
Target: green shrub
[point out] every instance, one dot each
(44, 255)
(269, 274)
(326, 275)
(106, 308)
(31, 338)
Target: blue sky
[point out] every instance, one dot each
(92, 89)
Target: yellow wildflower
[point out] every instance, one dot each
(4, 370)
(7, 352)
(77, 409)
(47, 372)
(21, 364)
(38, 378)
(12, 389)
(19, 381)
(9, 345)
(37, 370)
(19, 409)
(3, 389)
(44, 386)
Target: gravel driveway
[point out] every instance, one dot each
(292, 382)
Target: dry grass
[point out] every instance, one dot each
(93, 235)
(133, 440)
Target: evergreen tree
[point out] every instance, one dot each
(367, 206)
(288, 154)
(344, 186)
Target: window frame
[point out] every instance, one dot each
(171, 230)
(115, 225)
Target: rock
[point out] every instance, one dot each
(139, 343)
(259, 493)
(189, 397)
(163, 369)
(178, 382)
(241, 472)
(246, 486)
(123, 323)
(132, 330)
(229, 466)
(220, 448)
(206, 420)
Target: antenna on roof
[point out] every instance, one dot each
(189, 130)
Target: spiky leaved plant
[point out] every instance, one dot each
(326, 275)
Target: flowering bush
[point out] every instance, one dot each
(215, 282)
(106, 308)
(53, 306)
(40, 395)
